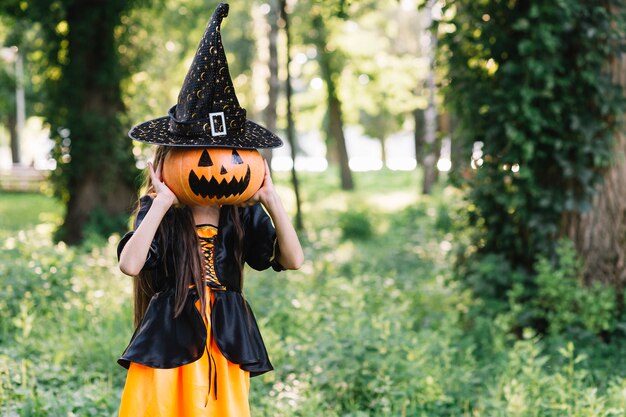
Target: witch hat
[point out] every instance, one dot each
(207, 112)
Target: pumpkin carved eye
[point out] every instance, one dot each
(205, 160)
(236, 158)
(203, 176)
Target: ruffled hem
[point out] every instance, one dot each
(160, 341)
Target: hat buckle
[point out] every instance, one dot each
(221, 123)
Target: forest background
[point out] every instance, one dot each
(455, 168)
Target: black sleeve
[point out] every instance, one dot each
(153, 258)
(260, 245)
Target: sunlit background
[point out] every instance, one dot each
(455, 170)
(385, 53)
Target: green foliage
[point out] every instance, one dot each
(491, 278)
(524, 388)
(21, 34)
(555, 300)
(101, 224)
(62, 319)
(366, 328)
(529, 81)
(7, 91)
(355, 225)
(565, 302)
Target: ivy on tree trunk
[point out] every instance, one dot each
(529, 81)
(95, 167)
(600, 233)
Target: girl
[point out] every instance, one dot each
(197, 343)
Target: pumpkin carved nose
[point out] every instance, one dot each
(223, 171)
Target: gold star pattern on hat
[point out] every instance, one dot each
(207, 112)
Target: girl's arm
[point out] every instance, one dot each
(135, 252)
(290, 255)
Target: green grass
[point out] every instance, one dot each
(20, 211)
(373, 324)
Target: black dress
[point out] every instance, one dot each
(162, 341)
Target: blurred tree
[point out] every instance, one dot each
(329, 61)
(15, 34)
(529, 81)
(291, 130)
(380, 125)
(318, 18)
(272, 64)
(84, 109)
(7, 83)
(384, 72)
(384, 64)
(7, 108)
(430, 143)
(418, 133)
(600, 233)
(373, 49)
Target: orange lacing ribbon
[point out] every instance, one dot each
(212, 376)
(207, 234)
(207, 241)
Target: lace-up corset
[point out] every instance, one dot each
(206, 234)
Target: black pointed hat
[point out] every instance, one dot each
(207, 112)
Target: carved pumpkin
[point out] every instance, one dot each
(203, 176)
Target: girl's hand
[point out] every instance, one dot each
(162, 191)
(265, 194)
(290, 256)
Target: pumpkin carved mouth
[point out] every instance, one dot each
(204, 176)
(214, 189)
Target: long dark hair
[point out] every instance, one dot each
(178, 237)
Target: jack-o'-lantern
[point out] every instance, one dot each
(211, 157)
(203, 176)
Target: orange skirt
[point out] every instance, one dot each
(184, 391)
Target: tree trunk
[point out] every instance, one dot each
(335, 114)
(99, 180)
(14, 139)
(418, 134)
(429, 162)
(273, 81)
(291, 131)
(459, 156)
(20, 104)
(335, 128)
(600, 234)
(383, 152)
